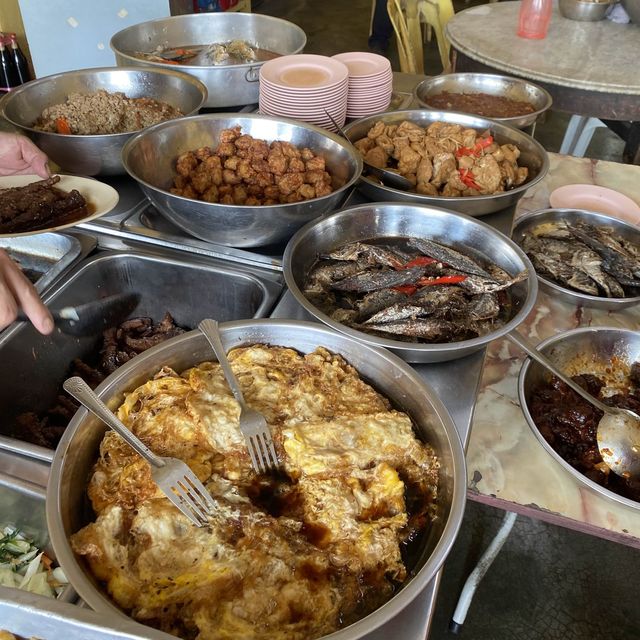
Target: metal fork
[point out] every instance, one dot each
(175, 479)
(253, 425)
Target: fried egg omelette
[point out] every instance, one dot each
(293, 556)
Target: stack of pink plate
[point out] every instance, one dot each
(370, 83)
(305, 87)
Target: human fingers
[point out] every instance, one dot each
(35, 160)
(24, 295)
(8, 305)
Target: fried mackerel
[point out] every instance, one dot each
(39, 205)
(417, 290)
(288, 556)
(585, 258)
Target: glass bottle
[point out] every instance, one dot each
(9, 76)
(534, 18)
(19, 59)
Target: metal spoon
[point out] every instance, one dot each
(618, 432)
(388, 177)
(93, 317)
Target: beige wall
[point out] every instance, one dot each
(11, 22)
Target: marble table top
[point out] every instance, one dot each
(507, 466)
(594, 56)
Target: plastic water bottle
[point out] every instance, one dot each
(534, 19)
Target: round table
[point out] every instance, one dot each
(589, 68)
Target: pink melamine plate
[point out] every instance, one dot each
(304, 70)
(595, 198)
(362, 63)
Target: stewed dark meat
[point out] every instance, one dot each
(569, 424)
(481, 104)
(39, 205)
(120, 344)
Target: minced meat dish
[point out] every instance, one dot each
(569, 424)
(481, 104)
(102, 112)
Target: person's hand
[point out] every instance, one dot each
(18, 155)
(16, 292)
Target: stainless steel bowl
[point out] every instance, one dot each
(229, 85)
(78, 450)
(384, 220)
(632, 7)
(494, 85)
(583, 11)
(528, 222)
(588, 350)
(96, 155)
(150, 159)
(533, 156)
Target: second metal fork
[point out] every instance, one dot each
(253, 425)
(174, 477)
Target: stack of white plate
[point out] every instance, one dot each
(370, 83)
(305, 87)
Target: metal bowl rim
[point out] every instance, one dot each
(493, 76)
(616, 303)
(627, 502)
(126, 150)
(88, 72)
(100, 601)
(397, 345)
(193, 67)
(459, 200)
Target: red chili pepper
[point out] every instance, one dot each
(409, 289)
(477, 148)
(426, 282)
(420, 261)
(468, 179)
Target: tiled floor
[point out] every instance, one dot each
(548, 583)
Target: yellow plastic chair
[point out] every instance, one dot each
(407, 18)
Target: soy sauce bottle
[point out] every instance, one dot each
(9, 77)
(19, 59)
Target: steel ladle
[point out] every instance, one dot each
(618, 431)
(389, 178)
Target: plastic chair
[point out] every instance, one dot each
(407, 18)
(578, 135)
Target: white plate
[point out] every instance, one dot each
(100, 197)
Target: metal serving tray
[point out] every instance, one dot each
(190, 291)
(43, 257)
(31, 616)
(22, 505)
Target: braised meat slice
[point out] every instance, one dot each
(38, 205)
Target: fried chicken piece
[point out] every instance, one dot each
(450, 191)
(211, 194)
(271, 192)
(226, 149)
(316, 163)
(323, 190)
(424, 172)
(243, 141)
(455, 182)
(180, 182)
(264, 179)
(433, 130)
(408, 161)
(427, 189)
(511, 152)
(306, 154)
(406, 128)
(230, 177)
(186, 163)
(377, 157)
(201, 179)
(376, 130)
(239, 194)
(227, 199)
(252, 201)
(290, 150)
(307, 191)
(229, 135)
(232, 163)
(296, 165)
(259, 149)
(385, 142)
(259, 165)
(246, 172)
(507, 173)
(443, 165)
(203, 153)
(522, 175)
(364, 144)
(278, 163)
(315, 177)
(486, 174)
(399, 143)
(289, 183)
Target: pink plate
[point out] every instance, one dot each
(362, 63)
(304, 70)
(595, 198)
